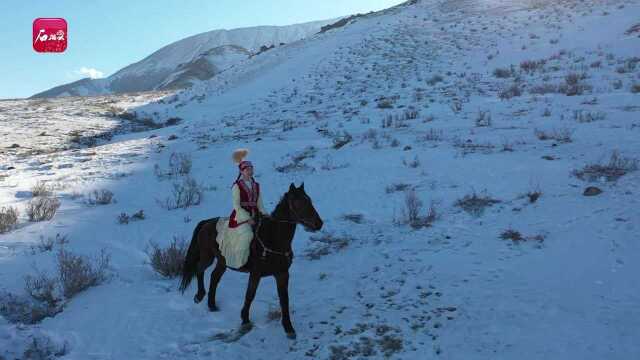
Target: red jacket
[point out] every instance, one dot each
(248, 201)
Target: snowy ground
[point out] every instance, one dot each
(414, 86)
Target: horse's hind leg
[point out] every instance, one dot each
(217, 273)
(202, 266)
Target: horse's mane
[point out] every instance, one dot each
(281, 207)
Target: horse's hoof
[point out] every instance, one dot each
(246, 327)
(213, 308)
(292, 335)
(198, 297)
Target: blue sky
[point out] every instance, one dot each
(105, 36)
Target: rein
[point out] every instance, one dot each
(265, 249)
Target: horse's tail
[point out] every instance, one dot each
(190, 265)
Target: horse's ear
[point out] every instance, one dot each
(292, 187)
(302, 186)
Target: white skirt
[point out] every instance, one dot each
(234, 243)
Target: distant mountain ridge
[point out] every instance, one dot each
(195, 58)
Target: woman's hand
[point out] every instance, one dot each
(251, 222)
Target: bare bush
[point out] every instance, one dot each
(184, 194)
(78, 273)
(475, 204)
(124, 218)
(328, 164)
(42, 208)
(47, 244)
(616, 167)
(340, 140)
(534, 194)
(562, 135)
(544, 88)
(413, 163)
(397, 187)
(432, 135)
(413, 206)
(511, 234)
(325, 244)
(168, 261)
(100, 197)
(356, 218)
(483, 118)
(385, 104)
(43, 348)
(40, 189)
(411, 212)
(297, 159)
(509, 92)
(435, 79)
(8, 218)
(573, 84)
(138, 215)
(469, 147)
(23, 309)
(179, 165)
(504, 72)
(531, 66)
(584, 116)
(43, 288)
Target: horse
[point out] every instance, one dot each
(270, 253)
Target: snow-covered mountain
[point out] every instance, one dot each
(476, 165)
(198, 57)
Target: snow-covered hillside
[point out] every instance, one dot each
(182, 63)
(500, 117)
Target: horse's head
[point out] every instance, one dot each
(302, 209)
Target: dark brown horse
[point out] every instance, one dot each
(270, 255)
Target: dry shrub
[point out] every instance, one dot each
(616, 167)
(562, 135)
(78, 273)
(42, 208)
(184, 194)
(168, 261)
(475, 204)
(100, 197)
(8, 219)
(325, 244)
(411, 212)
(40, 189)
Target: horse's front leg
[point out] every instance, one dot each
(254, 281)
(282, 281)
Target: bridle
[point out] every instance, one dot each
(265, 249)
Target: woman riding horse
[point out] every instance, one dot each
(270, 254)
